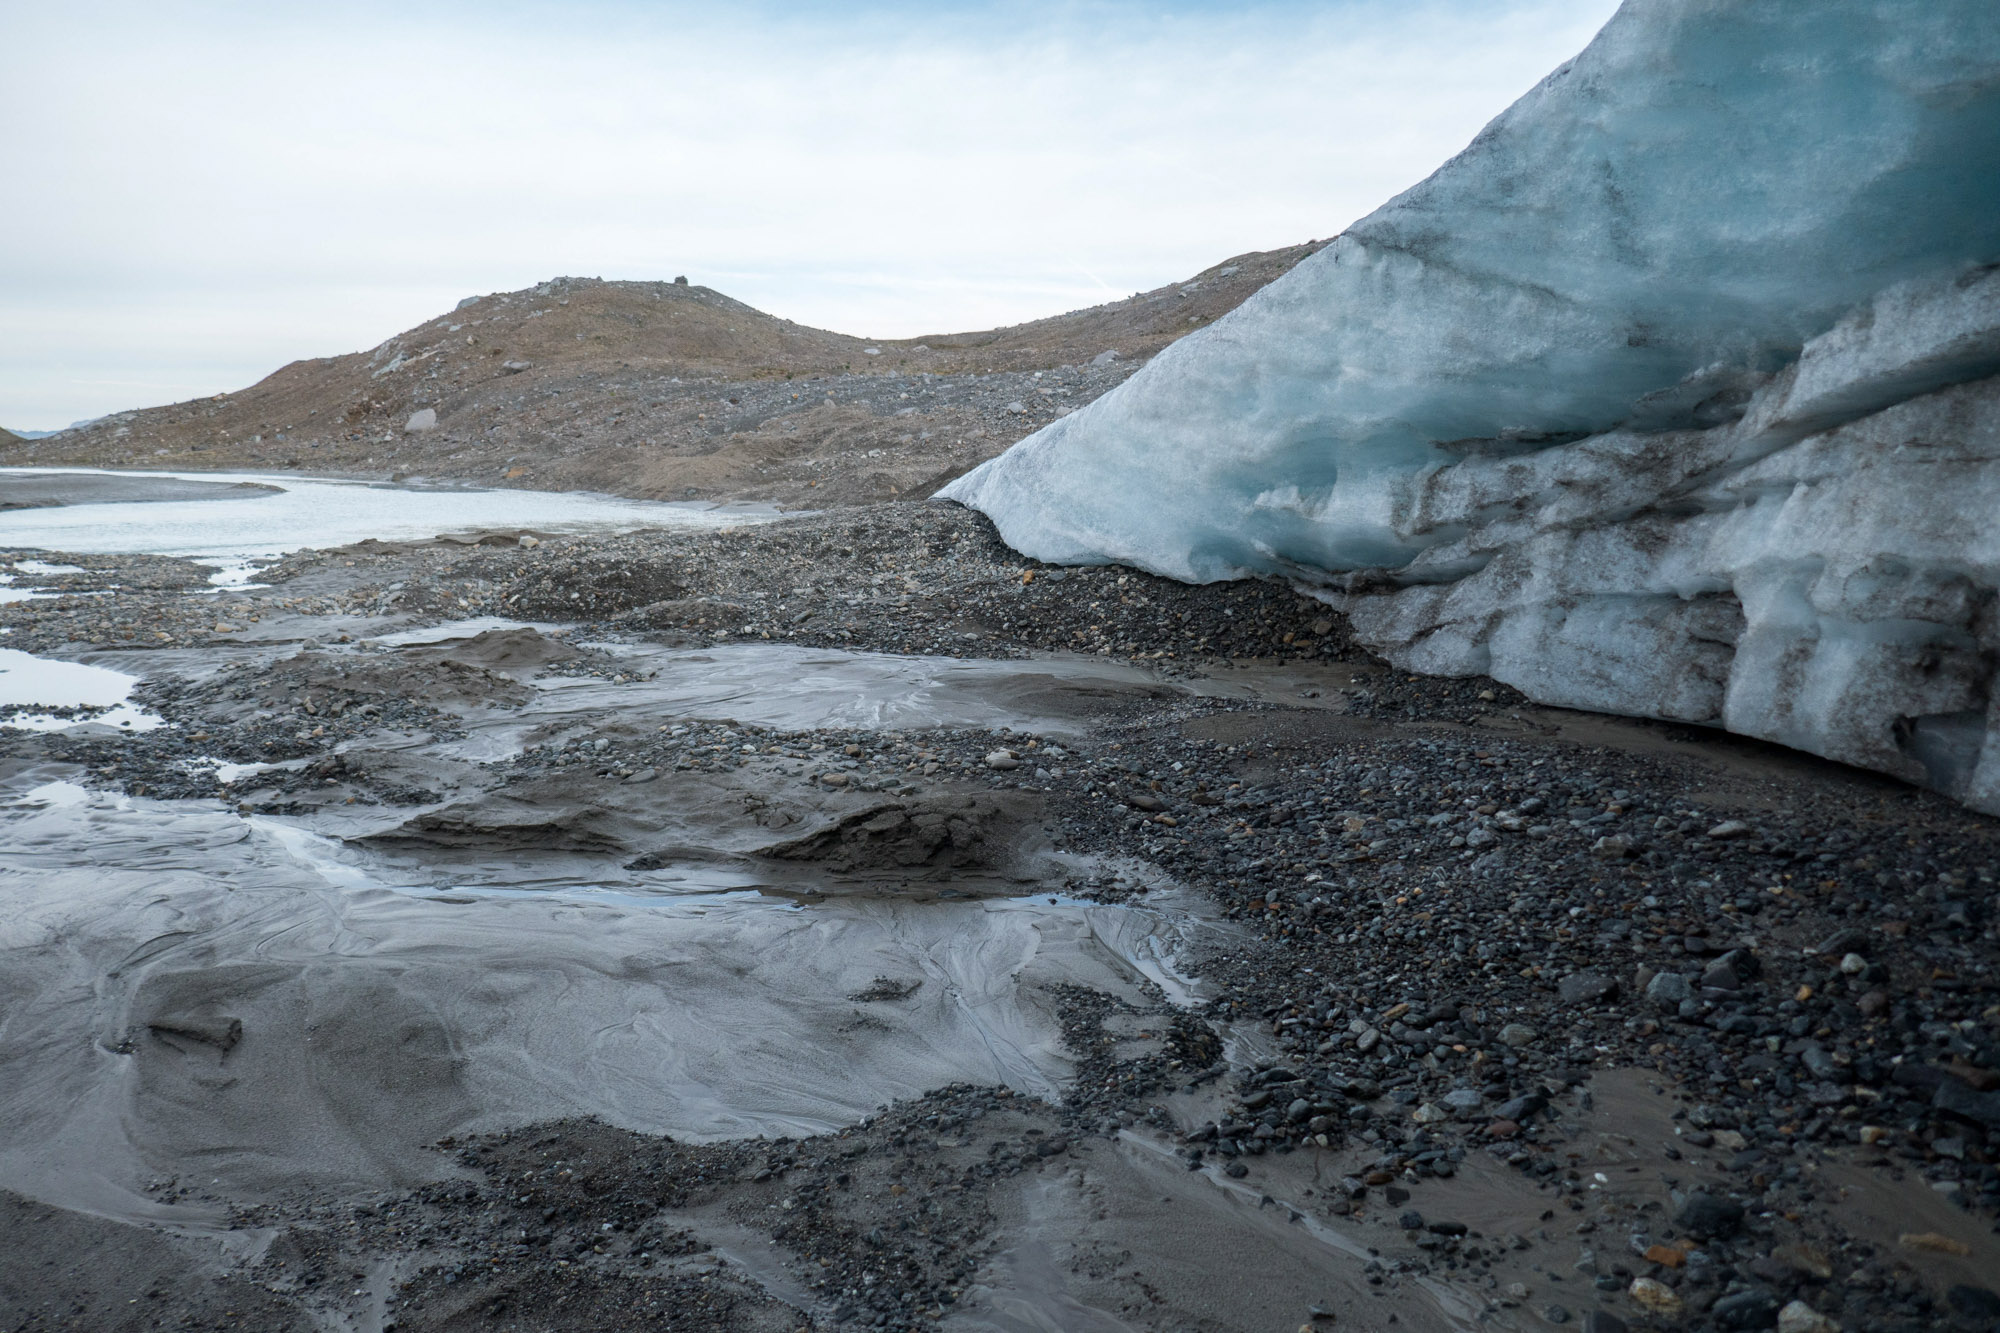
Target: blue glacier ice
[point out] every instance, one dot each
(1671, 395)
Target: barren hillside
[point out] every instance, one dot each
(663, 390)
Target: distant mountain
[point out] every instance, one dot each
(664, 390)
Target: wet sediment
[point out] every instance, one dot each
(1359, 995)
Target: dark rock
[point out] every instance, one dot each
(1955, 1098)
(1752, 1309)
(1731, 970)
(1411, 1221)
(1843, 942)
(1818, 1063)
(1669, 989)
(1910, 1074)
(1587, 988)
(1704, 1214)
(1974, 1303)
(1519, 1109)
(1603, 1321)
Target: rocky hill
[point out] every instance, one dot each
(664, 390)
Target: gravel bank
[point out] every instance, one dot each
(1500, 1013)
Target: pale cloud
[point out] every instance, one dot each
(197, 194)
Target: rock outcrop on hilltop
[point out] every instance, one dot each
(1672, 395)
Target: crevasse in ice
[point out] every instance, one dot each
(1670, 395)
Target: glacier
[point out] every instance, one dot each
(1672, 395)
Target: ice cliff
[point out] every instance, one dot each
(1672, 395)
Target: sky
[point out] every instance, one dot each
(193, 194)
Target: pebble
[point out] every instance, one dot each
(1655, 1297)
(1587, 988)
(1842, 942)
(1806, 1259)
(1754, 1308)
(1798, 1317)
(1976, 1303)
(1669, 990)
(1705, 1214)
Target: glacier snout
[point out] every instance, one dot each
(1673, 395)
(1821, 573)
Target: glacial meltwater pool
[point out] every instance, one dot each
(234, 520)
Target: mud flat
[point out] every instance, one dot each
(840, 922)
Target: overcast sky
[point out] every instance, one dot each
(193, 194)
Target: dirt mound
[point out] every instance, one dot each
(944, 833)
(515, 649)
(537, 819)
(594, 587)
(665, 391)
(334, 682)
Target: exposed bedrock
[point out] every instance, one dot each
(1672, 396)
